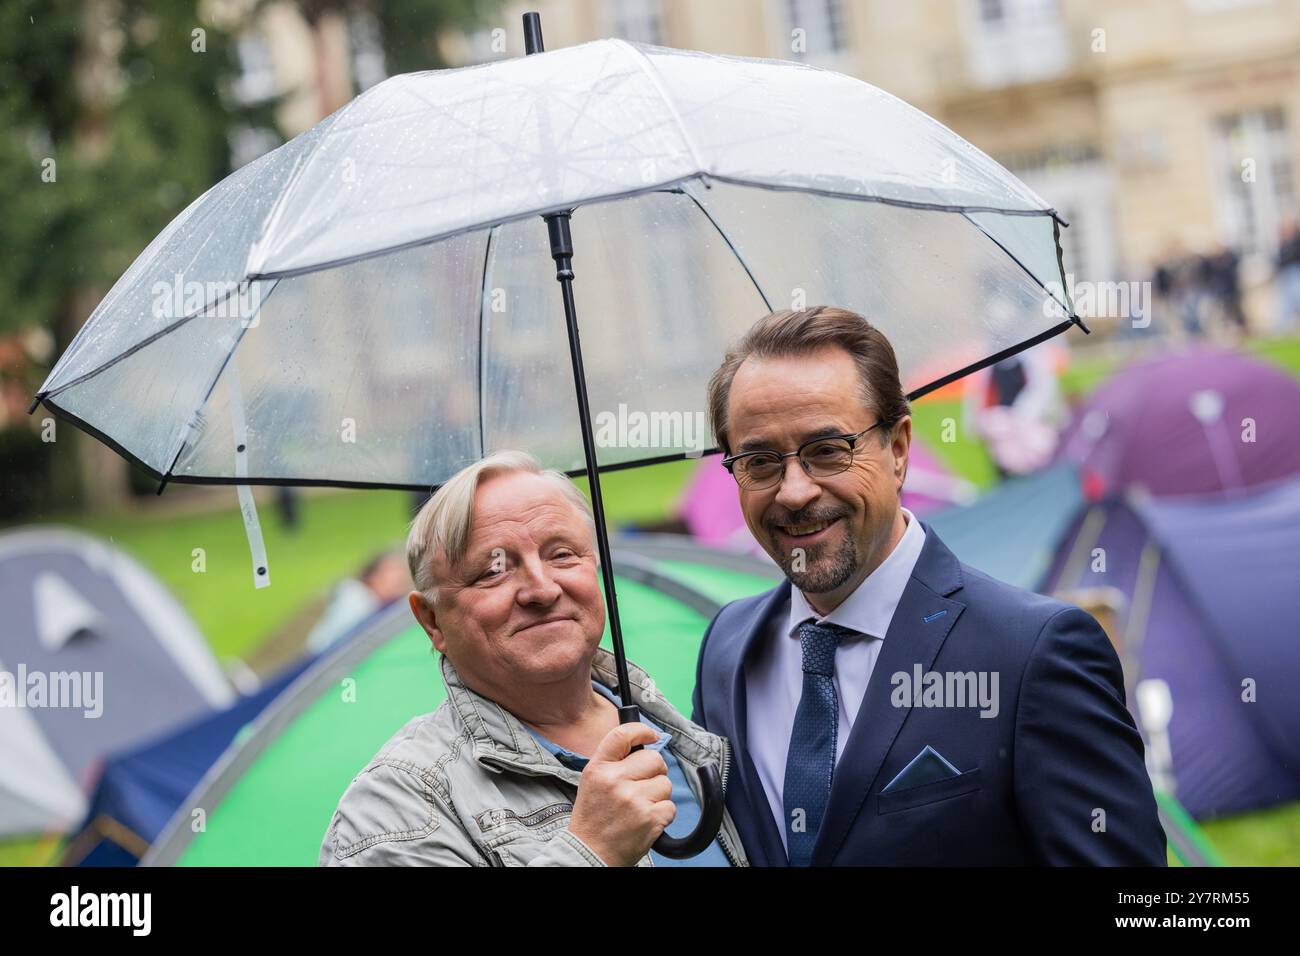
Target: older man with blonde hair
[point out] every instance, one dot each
(525, 762)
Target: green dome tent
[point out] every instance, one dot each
(269, 799)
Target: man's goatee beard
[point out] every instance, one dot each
(826, 574)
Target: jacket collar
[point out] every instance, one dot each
(500, 739)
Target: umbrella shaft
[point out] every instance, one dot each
(562, 252)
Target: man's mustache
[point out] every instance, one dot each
(804, 516)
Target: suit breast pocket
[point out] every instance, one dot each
(927, 793)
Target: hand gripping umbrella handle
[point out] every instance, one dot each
(712, 804)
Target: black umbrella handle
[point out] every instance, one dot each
(712, 804)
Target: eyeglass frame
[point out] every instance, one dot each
(729, 462)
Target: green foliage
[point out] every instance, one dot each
(411, 28)
(111, 130)
(38, 107)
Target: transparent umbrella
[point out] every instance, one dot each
(372, 304)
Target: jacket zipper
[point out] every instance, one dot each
(726, 767)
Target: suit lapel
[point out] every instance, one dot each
(921, 623)
(757, 828)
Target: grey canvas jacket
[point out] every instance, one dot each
(468, 785)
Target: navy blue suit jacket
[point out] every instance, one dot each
(1057, 777)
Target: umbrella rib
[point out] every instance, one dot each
(149, 340)
(991, 360)
(482, 343)
(184, 436)
(732, 246)
(1069, 311)
(886, 200)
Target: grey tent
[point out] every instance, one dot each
(95, 656)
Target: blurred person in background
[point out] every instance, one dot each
(1015, 406)
(1219, 275)
(382, 581)
(1288, 276)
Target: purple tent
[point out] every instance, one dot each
(1209, 585)
(1196, 421)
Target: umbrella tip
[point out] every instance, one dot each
(533, 33)
(35, 402)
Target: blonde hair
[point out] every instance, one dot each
(444, 524)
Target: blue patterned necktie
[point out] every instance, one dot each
(810, 764)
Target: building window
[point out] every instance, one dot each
(641, 21)
(822, 23)
(1255, 179)
(1076, 181)
(1015, 41)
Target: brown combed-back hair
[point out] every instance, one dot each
(790, 332)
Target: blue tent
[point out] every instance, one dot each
(1013, 531)
(139, 791)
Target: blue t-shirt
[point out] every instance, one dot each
(688, 808)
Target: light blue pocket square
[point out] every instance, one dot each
(928, 766)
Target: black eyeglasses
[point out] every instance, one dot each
(820, 458)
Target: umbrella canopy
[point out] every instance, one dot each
(1196, 421)
(373, 303)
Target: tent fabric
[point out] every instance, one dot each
(1194, 421)
(125, 649)
(138, 792)
(1209, 584)
(1013, 531)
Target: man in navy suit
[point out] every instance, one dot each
(887, 704)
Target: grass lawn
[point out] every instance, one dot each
(1264, 838)
(933, 420)
(336, 534)
(1086, 373)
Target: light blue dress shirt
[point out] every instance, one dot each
(774, 676)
